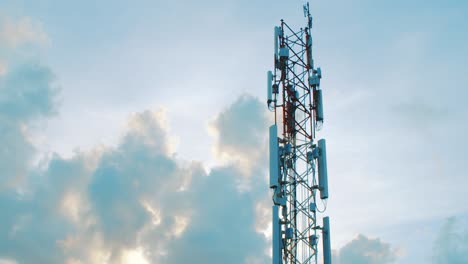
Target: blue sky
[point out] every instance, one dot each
(116, 123)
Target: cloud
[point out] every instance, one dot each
(131, 201)
(27, 93)
(224, 217)
(29, 196)
(7, 261)
(137, 174)
(240, 132)
(221, 229)
(451, 245)
(240, 128)
(22, 31)
(36, 222)
(364, 250)
(3, 68)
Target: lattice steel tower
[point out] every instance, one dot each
(298, 166)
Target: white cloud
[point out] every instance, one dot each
(135, 256)
(7, 261)
(240, 133)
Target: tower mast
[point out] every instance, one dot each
(298, 167)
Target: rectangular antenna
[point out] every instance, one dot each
(269, 87)
(319, 113)
(322, 169)
(276, 41)
(274, 157)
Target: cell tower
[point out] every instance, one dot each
(298, 163)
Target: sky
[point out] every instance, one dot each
(136, 131)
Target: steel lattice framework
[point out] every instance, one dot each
(296, 99)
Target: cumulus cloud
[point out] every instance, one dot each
(221, 230)
(143, 197)
(240, 128)
(29, 197)
(36, 221)
(240, 131)
(364, 250)
(26, 93)
(131, 201)
(451, 245)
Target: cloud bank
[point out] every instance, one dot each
(132, 201)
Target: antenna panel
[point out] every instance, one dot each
(322, 169)
(319, 111)
(274, 157)
(269, 87)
